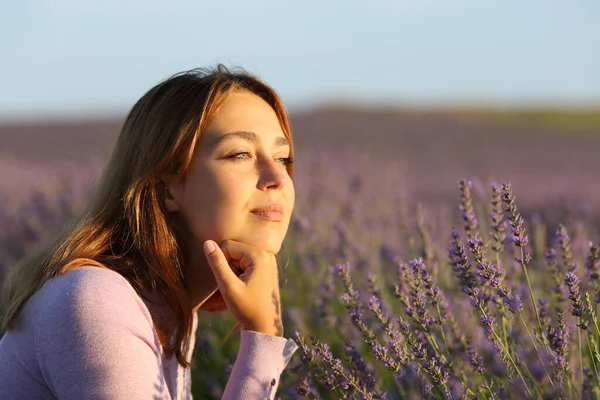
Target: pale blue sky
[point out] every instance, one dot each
(84, 57)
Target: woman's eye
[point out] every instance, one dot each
(286, 161)
(240, 156)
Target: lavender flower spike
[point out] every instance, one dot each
(497, 216)
(520, 239)
(466, 208)
(577, 308)
(565, 245)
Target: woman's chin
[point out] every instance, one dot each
(271, 247)
(215, 303)
(266, 240)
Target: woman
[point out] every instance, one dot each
(189, 214)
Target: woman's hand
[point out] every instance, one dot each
(251, 294)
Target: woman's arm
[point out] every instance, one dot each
(95, 339)
(261, 359)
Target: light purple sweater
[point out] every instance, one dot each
(88, 335)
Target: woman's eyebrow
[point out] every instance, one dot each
(249, 136)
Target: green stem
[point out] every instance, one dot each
(595, 320)
(437, 306)
(507, 353)
(432, 342)
(535, 347)
(580, 354)
(587, 339)
(537, 315)
(489, 388)
(504, 331)
(498, 260)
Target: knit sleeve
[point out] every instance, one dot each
(95, 339)
(261, 359)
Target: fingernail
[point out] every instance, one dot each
(209, 246)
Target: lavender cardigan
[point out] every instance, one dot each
(88, 335)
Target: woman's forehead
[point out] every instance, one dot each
(245, 116)
(243, 111)
(248, 136)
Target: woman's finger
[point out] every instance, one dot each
(224, 275)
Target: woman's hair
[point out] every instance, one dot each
(126, 227)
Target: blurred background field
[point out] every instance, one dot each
(391, 104)
(549, 155)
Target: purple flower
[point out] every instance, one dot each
(365, 372)
(475, 359)
(375, 305)
(487, 271)
(487, 321)
(565, 245)
(592, 265)
(307, 354)
(375, 291)
(345, 298)
(438, 373)
(498, 225)
(558, 340)
(466, 208)
(572, 283)
(355, 311)
(417, 347)
(304, 386)
(577, 307)
(335, 375)
(514, 303)
(555, 272)
(543, 312)
(520, 239)
(458, 258)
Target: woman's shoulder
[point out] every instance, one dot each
(89, 326)
(87, 284)
(84, 311)
(90, 294)
(86, 275)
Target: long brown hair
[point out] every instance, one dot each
(126, 227)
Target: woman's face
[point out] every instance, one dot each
(239, 166)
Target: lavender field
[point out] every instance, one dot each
(402, 280)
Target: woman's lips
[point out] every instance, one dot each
(268, 215)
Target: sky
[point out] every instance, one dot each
(97, 57)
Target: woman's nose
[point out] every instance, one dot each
(272, 175)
